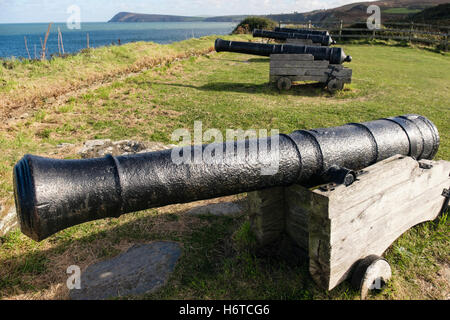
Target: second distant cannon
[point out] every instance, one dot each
(323, 40)
(295, 63)
(304, 31)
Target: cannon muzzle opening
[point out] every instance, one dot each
(53, 194)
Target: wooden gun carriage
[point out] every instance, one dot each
(344, 230)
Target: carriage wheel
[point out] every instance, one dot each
(284, 83)
(334, 85)
(371, 273)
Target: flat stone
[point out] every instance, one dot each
(142, 269)
(228, 209)
(96, 143)
(99, 148)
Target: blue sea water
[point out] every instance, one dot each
(100, 34)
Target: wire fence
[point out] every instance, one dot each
(401, 31)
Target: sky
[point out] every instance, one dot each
(22, 11)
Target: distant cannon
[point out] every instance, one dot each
(52, 195)
(315, 38)
(333, 55)
(304, 31)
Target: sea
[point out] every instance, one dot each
(12, 36)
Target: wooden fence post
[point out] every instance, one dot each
(44, 46)
(87, 39)
(373, 34)
(309, 24)
(340, 30)
(61, 40)
(445, 44)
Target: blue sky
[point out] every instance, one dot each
(12, 11)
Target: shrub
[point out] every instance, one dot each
(249, 24)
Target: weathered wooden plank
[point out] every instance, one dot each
(323, 78)
(319, 227)
(267, 214)
(298, 210)
(299, 64)
(292, 56)
(299, 71)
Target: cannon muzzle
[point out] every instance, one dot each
(52, 195)
(333, 55)
(303, 31)
(315, 38)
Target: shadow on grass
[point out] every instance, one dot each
(218, 261)
(298, 89)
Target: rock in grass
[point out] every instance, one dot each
(99, 148)
(142, 269)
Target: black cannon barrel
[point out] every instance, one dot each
(52, 195)
(304, 31)
(316, 38)
(333, 55)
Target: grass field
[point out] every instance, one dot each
(223, 91)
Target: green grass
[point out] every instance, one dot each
(224, 91)
(30, 83)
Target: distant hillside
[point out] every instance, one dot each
(140, 17)
(227, 18)
(354, 12)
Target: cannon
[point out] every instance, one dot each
(303, 31)
(333, 55)
(315, 38)
(52, 195)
